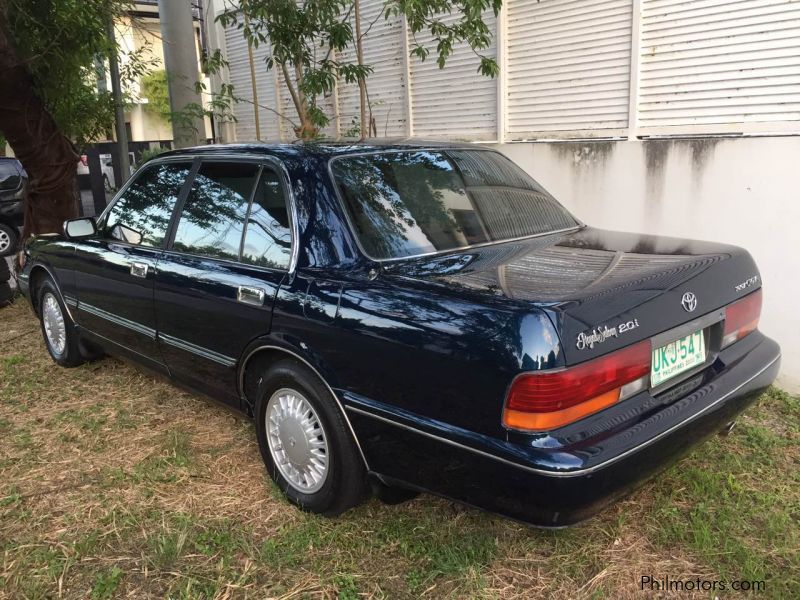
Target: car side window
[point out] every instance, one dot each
(141, 215)
(212, 220)
(268, 237)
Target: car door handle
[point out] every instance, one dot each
(139, 269)
(251, 295)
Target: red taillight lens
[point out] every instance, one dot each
(540, 401)
(742, 317)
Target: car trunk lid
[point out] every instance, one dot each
(603, 290)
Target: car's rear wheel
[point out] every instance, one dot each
(59, 333)
(8, 240)
(305, 443)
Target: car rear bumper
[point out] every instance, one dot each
(558, 480)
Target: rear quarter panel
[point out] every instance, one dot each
(408, 349)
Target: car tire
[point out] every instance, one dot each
(308, 449)
(5, 271)
(6, 294)
(391, 494)
(9, 240)
(58, 330)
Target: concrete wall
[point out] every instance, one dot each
(742, 191)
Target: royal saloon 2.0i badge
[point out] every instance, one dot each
(400, 317)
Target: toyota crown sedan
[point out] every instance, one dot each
(400, 317)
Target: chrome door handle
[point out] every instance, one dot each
(251, 295)
(139, 269)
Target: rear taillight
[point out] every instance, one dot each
(548, 399)
(741, 318)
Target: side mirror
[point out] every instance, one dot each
(76, 229)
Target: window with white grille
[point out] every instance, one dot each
(456, 102)
(568, 66)
(718, 65)
(239, 71)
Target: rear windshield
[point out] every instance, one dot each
(410, 203)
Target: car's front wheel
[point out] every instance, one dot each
(58, 330)
(305, 443)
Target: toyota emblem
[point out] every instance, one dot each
(689, 302)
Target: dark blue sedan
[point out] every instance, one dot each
(403, 317)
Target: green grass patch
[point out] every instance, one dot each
(106, 583)
(734, 502)
(169, 463)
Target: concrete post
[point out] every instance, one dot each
(180, 58)
(123, 163)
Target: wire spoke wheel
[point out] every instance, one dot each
(297, 441)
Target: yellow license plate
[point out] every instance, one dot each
(677, 357)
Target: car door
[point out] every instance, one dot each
(218, 278)
(115, 272)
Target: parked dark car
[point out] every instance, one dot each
(417, 316)
(13, 184)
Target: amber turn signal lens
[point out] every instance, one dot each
(551, 420)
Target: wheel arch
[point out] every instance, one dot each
(37, 275)
(261, 355)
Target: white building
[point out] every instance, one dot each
(675, 117)
(140, 31)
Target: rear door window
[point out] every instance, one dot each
(142, 214)
(268, 238)
(212, 220)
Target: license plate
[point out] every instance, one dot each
(677, 357)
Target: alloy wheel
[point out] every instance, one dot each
(54, 326)
(297, 441)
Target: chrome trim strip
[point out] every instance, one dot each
(352, 229)
(132, 325)
(198, 350)
(85, 329)
(243, 368)
(70, 301)
(579, 472)
(681, 331)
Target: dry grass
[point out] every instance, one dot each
(113, 484)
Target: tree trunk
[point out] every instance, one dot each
(47, 155)
(306, 131)
(362, 85)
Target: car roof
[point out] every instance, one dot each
(321, 148)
